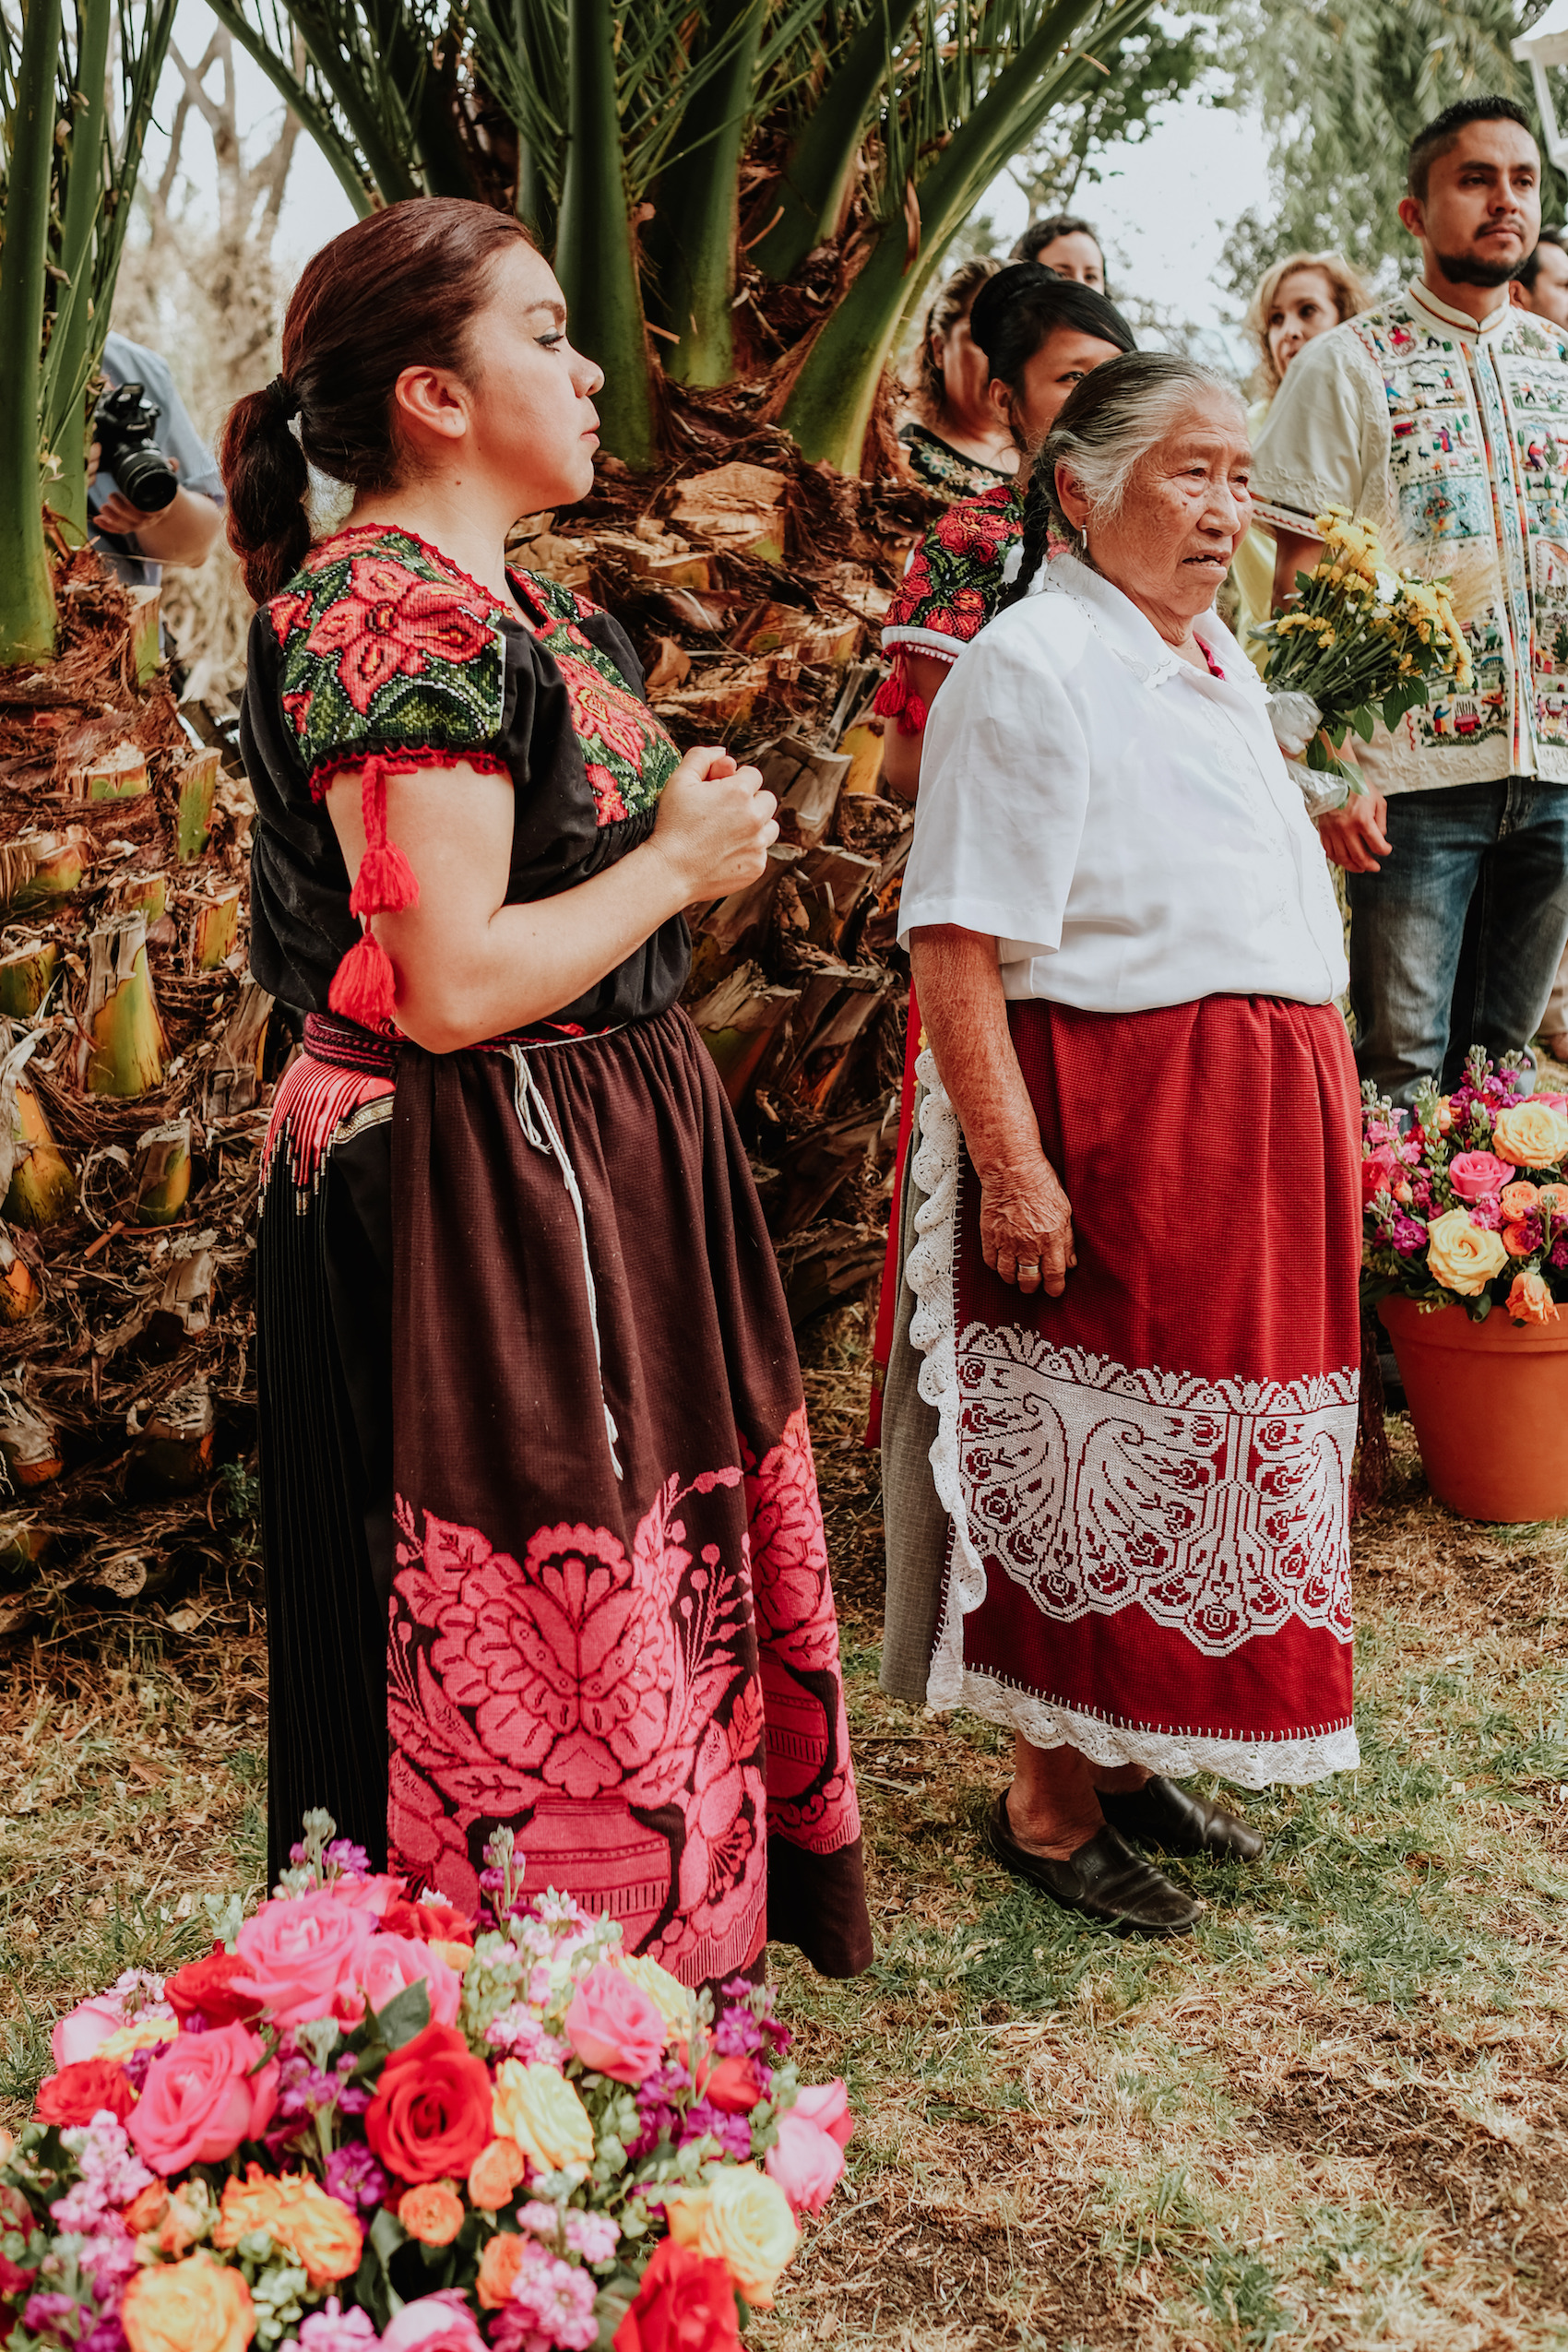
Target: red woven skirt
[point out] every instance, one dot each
(1148, 1477)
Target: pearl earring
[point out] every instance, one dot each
(1084, 539)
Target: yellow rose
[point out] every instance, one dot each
(1463, 1256)
(741, 2219)
(675, 2003)
(194, 2306)
(148, 2034)
(540, 2109)
(1532, 1135)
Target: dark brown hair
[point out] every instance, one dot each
(954, 303)
(401, 288)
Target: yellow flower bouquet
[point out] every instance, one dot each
(1367, 639)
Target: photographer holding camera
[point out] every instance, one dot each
(142, 516)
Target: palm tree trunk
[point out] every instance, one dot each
(26, 591)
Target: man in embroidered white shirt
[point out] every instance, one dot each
(1443, 414)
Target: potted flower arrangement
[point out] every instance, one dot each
(1464, 1255)
(367, 2121)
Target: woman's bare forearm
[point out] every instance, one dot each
(529, 960)
(958, 985)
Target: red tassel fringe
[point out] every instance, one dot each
(364, 988)
(895, 700)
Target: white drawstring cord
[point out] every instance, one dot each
(533, 1116)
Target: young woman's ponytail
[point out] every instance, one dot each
(266, 478)
(401, 288)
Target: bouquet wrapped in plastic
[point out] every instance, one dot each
(1365, 640)
(367, 2121)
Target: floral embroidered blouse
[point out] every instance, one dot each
(947, 470)
(379, 644)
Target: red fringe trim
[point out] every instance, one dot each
(365, 987)
(404, 760)
(311, 1104)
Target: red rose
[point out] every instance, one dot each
(732, 2086)
(431, 2114)
(431, 1922)
(78, 2093)
(15, 2213)
(685, 2303)
(206, 1989)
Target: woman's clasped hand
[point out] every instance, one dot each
(715, 824)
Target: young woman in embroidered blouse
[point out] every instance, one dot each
(542, 1539)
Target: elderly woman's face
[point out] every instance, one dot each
(1186, 512)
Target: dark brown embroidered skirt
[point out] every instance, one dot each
(557, 1451)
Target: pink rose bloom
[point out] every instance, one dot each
(613, 2027)
(1558, 1101)
(389, 1964)
(77, 2035)
(439, 2322)
(298, 1951)
(364, 1893)
(806, 2162)
(202, 2096)
(828, 2105)
(334, 2330)
(1477, 1174)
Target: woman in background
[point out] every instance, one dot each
(955, 441)
(1300, 298)
(1067, 245)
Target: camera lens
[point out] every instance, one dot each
(147, 478)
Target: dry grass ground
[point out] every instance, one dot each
(1336, 2116)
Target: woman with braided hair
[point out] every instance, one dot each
(542, 1535)
(1041, 336)
(1136, 1272)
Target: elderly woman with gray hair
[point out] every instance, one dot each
(1137, 1256)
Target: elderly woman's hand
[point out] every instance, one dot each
(1027, 1224)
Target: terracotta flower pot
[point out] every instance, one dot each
(1489, 1403)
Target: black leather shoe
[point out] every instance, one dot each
(1162, 1814)
(1104, 1880)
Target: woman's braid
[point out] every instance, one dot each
(1037, 534)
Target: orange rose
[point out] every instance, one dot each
(1518, 1200)
(1529, 1300)
(297, 2213)
(498, 2266)
(1517, 1241)
(432, 2212)
(146, 2211)
(194, 2306)
(495, 2173)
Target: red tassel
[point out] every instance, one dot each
(913, 720)
(363, 986)
(384, 884)
(891, 693)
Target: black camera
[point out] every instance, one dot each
(122, 426)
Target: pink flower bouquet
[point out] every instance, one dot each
(1465, 1200)
(366, 2121)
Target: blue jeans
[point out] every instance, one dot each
(1456, 940)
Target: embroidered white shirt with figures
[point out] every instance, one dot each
(1448, 432)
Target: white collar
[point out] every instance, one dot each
(1424, 299)
(1132, 636)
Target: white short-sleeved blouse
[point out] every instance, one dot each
(1122, 823)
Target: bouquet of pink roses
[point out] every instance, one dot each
(1466, 1203)
(365, 2121)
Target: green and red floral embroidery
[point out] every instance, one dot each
(952, 580)
(629, 756)
(386, 648)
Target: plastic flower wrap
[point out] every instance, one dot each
(1465, 1200)
(1365, 640)
(365, 2123)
